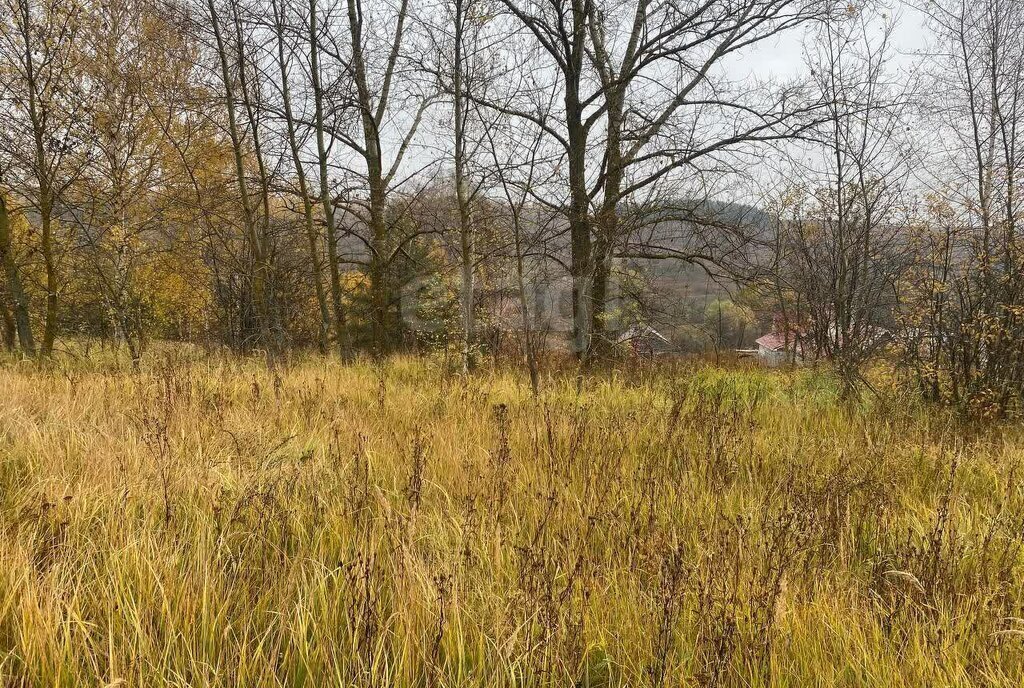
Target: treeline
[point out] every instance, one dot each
(368, 176)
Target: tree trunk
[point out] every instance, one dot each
(466, 233)
(581, 265)
(45, 181)
(300, 173)
(9, 331)
(378, 269)
(607, 224)
(50, 263)
(258, 277)
(341, 336)
(467, 286)
(380, 293)
(19, 301)
(271, 309)
(529, 345)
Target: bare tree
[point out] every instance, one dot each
(44, 94)
(517, 167)
(461, 45)
(375, 54)
(647, 106)
(970, 333)
(284, 59)
(262, 283)
(843, 239)
(326, 200)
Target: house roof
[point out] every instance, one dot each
(641, 331)
(774, 341)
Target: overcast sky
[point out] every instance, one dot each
(783, 56)
(777, 59)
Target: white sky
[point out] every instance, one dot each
(778, 59)
(782, 57)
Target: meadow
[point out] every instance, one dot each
(208, 521)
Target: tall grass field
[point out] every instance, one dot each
(210, 521)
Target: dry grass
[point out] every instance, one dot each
(207, 522)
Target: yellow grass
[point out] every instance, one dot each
(207, 522)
